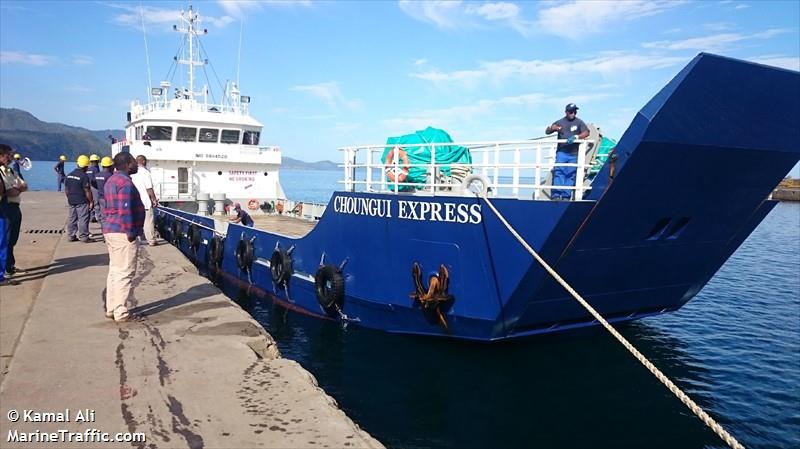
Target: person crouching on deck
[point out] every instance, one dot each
(123, 223)
(242, 217)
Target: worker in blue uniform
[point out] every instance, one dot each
(569, 128)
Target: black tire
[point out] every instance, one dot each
(194, 236)
(160, 225)
(244, 254)
(216, 249)
(175, 232)
(281, 267)
(329, 284)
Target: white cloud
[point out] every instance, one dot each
(443, 14)
(150, 15)
(15, 57)
(420, 62)
(451, 15)
(329, 93)
(240, 8)
(495, 11)
(605, 64)
(741, 6)
(82, 60)
(713, 42)
(791, 63)
(575, 19)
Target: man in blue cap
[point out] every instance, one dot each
(569, 128)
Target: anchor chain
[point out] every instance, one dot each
(684, 398)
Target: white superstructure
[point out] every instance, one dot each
(197, 147)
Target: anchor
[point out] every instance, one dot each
(432, 297)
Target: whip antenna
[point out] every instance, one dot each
(239, 56)
(146, 52)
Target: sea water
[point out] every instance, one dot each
(734, 348)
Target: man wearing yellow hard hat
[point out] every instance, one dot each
(80, 201)
(99, 184)
(59, 169)
(94, 168)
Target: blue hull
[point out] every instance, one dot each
(690, 182)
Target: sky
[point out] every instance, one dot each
(322, 75)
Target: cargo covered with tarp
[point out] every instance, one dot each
(409, 153)
(601, 155)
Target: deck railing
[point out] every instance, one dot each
(513, 169)
(182, 104)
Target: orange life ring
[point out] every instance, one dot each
(252, 204)
(393, 175)
(279, 207)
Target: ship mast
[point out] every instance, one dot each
(188, 26)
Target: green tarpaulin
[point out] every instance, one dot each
(421, 154)
(606, 145)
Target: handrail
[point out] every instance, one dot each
(138, 109)
(498, 162)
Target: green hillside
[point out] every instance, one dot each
(40, 140)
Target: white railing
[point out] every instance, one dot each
(514, 169)
(182, 104)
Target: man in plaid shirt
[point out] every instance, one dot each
(124, 222)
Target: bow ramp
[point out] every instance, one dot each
(692, 179)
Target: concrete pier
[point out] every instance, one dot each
(199, 372)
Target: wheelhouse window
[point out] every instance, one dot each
(209, 135)
(230, 136)
(186, 134)
(250, 137)
(158, 133)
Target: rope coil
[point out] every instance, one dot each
(705, 417)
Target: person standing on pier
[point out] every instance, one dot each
(123, 223)
(99, 184)
(569, 127)
(3, 241)
(94, 168)
(17, 165)
(80, 201)
(144, 184)
(59, 169)
(14, 186)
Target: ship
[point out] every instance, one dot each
(201, 147)
(645, 228)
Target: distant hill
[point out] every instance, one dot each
(294, 164)
(44, 141)
(40, 140)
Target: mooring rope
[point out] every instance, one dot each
(708, 420)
